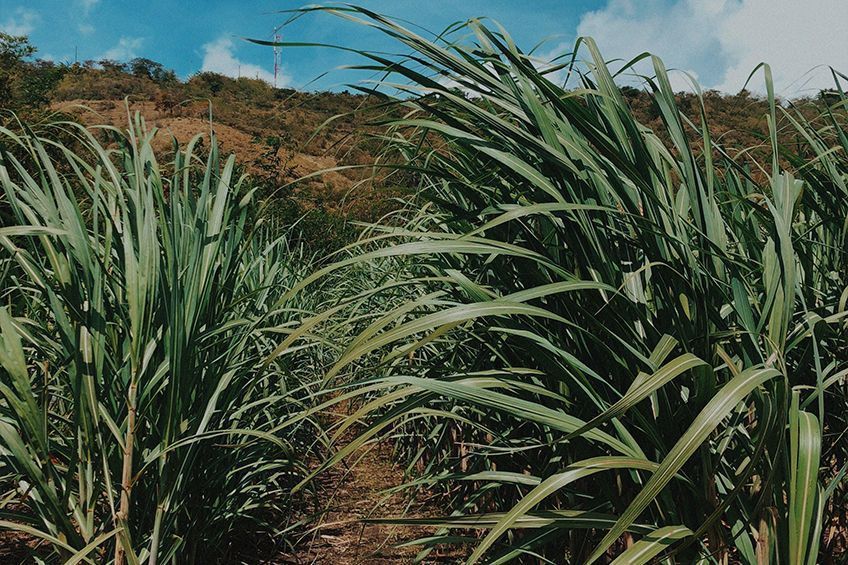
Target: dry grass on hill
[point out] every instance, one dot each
(270, 162)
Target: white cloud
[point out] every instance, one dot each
(793, 37)
(126, 49)
(721, 41)
(85, 28)
(21, 22)
(219, 57)
(681, 33)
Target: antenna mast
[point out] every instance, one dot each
(277, 57)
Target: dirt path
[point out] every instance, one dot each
(351, 492)
(355, 493)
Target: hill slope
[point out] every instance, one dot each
(281, 135)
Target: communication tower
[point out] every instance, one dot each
(277, 57)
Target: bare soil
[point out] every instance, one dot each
(356, 493)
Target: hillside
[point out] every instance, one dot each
(277, 133)
(282, 135)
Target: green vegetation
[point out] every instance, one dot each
(136, 409)
(602, 330)
(612, 338)
(23, 84)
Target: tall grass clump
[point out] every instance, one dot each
(137, 420)
(619, 344)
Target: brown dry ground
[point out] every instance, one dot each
(337, 192)
(355, 493)
(184, 127)
(16, 548)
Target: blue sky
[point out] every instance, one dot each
(716, 41)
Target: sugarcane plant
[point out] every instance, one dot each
(618, 343)
(136, 417)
